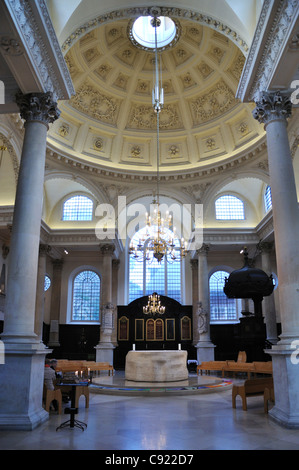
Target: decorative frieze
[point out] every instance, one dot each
(172, 12)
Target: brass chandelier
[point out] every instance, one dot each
(154, 305)
(158, 241)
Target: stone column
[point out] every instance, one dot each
(273, 109)
(268, 302)
(21, 376)
(115, 269)
(205, 348)
(55, 304)
(194, 268)
(40, 291)
(104, 350)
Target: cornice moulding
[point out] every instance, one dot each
(273, 33)
(33, 27)
(234, 162)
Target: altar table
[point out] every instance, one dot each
(156, 366)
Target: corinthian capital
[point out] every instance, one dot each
(38, 107)
(272, 106)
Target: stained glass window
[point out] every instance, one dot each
(86, 297)
(78, 208)
(268, 199)
(221, 307)
(229, 207)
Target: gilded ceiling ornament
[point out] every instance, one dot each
(63, 130)
(211, 104)
(173, 150)
(92, 102)
(98, 143)
(136, 151)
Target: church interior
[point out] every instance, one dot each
(111, 115)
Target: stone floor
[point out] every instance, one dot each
(204, 421)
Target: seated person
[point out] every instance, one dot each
(49, 375)
(50, 379)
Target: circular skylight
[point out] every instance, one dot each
(142, 33)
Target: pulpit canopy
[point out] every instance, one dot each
(248, 282)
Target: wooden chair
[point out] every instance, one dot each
(49, 396)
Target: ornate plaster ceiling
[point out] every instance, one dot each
(110, 121)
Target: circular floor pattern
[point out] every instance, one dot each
(117, 385)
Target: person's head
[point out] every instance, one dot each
(53, 363)
(47, 362)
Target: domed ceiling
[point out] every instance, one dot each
(110, 121)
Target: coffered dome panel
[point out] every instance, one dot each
(110, 120)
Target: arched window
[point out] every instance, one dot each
(47, 283)
(78, 208)
(221, 307)
(229, 207)
(268, 198)
(148, 276)
(86, 297)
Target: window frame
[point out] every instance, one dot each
(72, 277)
(144, 285)
(266, 197)
(238, 302)
(234, 219)
(71, 196)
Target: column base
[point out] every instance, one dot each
(205, 351)
(104, 352)
(21, 391)
(286, 386)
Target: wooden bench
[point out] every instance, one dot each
(211, 365)
(220, 365)
(252, 388)
(235, 367)
(99, 366)
(263, 367)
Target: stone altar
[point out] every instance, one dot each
(156, 366)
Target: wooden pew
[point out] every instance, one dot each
(211, 365)
(220, 365)
(252, 388)
(263, 368)
(99, 366)
(235, 367)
